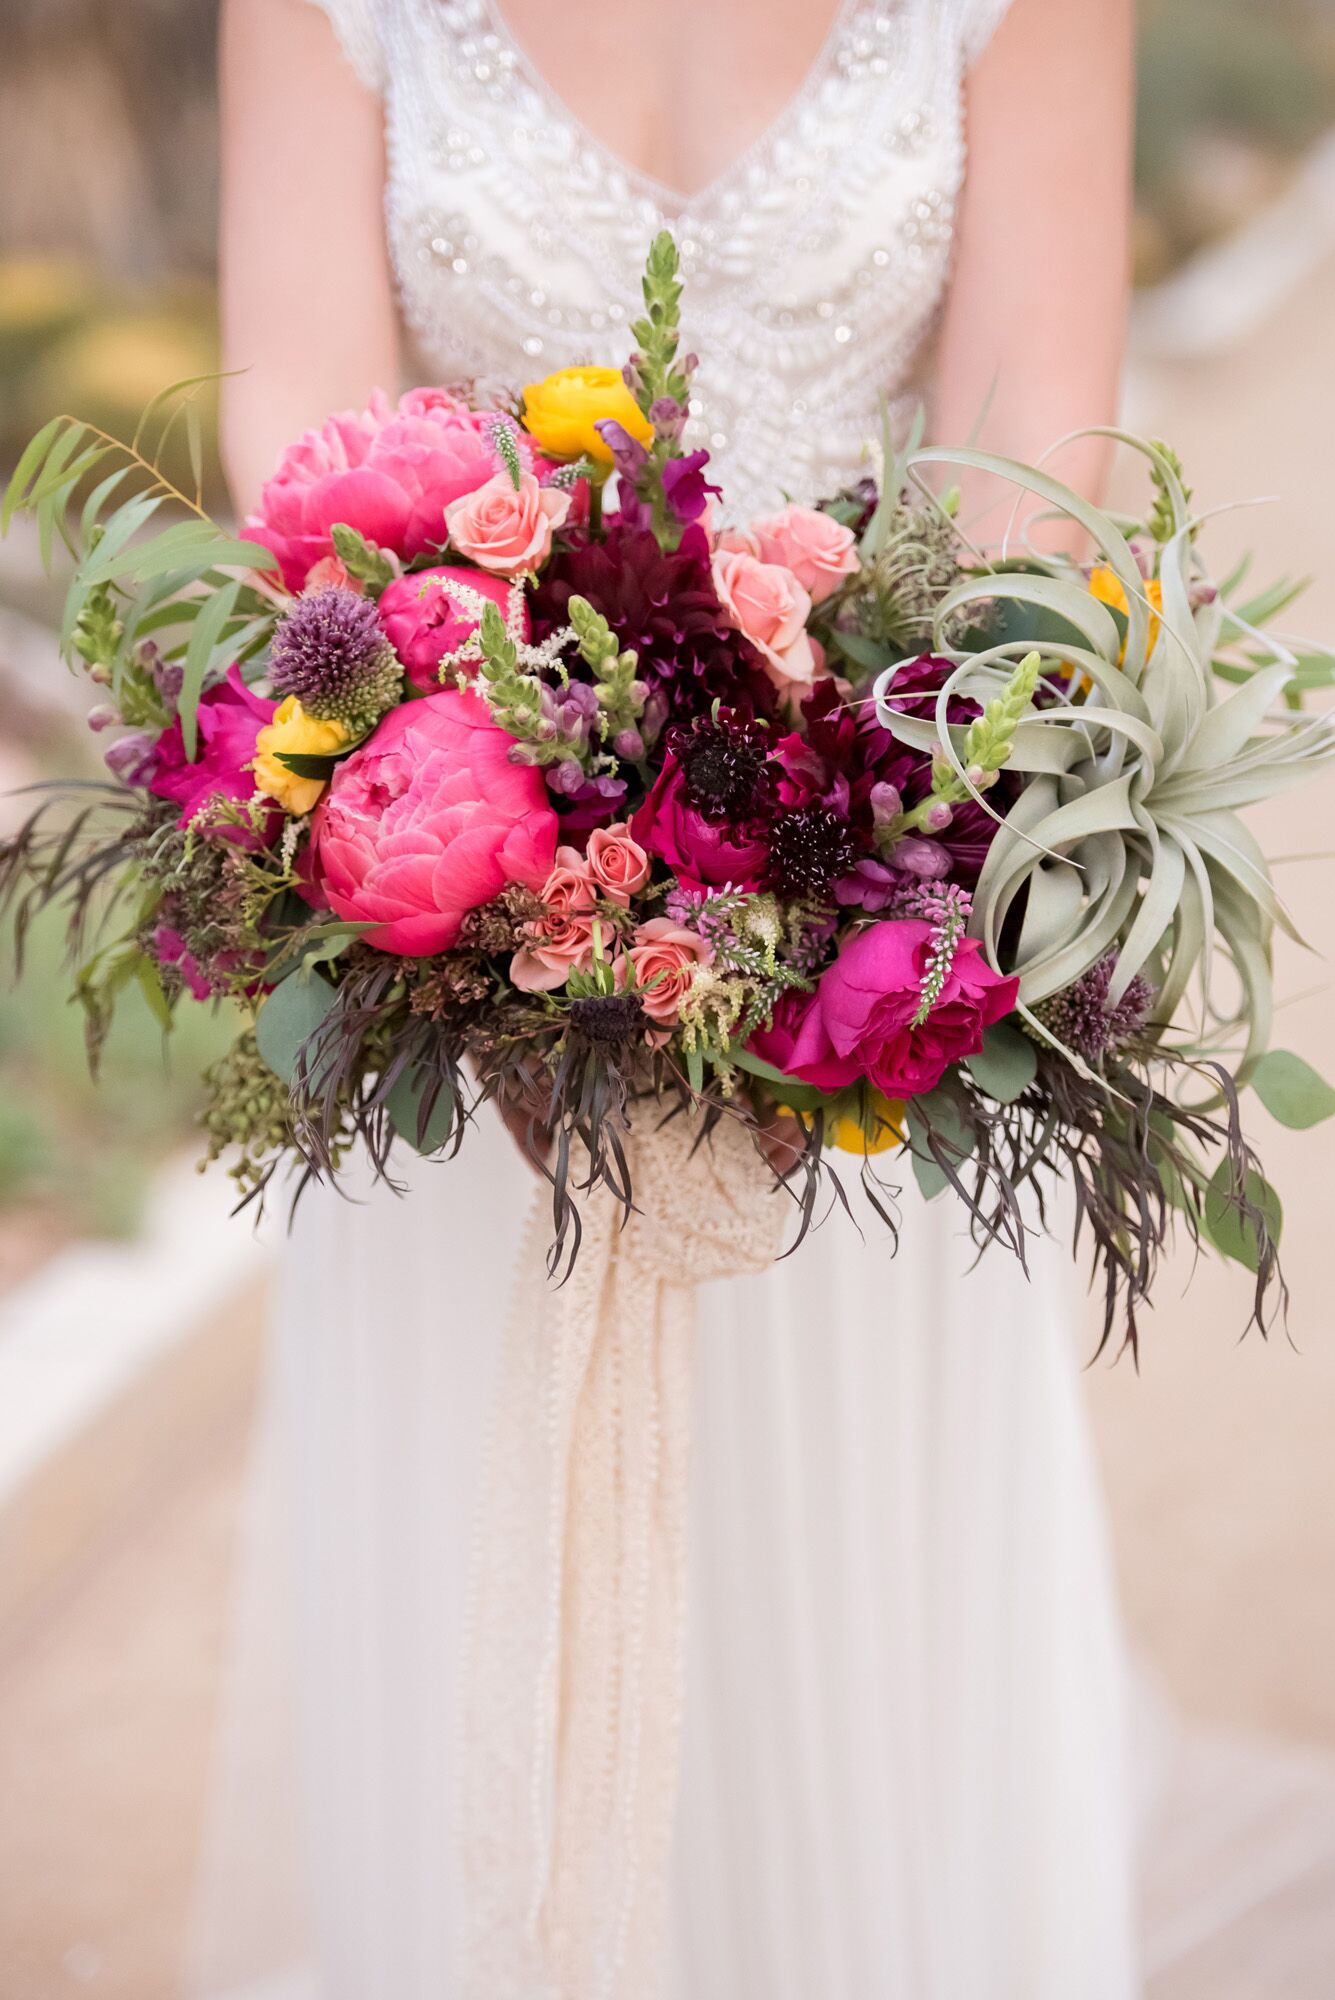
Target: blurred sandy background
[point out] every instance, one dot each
(121, 1463)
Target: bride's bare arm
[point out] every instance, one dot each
(307, 304)
(1036, 314)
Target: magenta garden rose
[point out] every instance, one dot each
(714, 853)
(230, 717)
(427, 615)
(859, 1020)
(428, 820)
(388, 472)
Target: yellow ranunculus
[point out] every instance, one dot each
(561, 411)
(298, 735)
(883, 1126)
(1106, 585)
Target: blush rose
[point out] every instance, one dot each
(666, 957)
(507, 528)
(767, 605)
(818, 550)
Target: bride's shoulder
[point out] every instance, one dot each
(360, 27)
(975, 21)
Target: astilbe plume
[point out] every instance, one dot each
(663, 604)
(330, 652)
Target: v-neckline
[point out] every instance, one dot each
(670, 203)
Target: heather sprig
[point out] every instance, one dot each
(946, 908)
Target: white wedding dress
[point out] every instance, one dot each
(905, 1773)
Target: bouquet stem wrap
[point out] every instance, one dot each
(574, 1669)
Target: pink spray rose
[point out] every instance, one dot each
(716, 854)
(616, 862)
(819, 551)
(767, 605)
(563, 938)
(507, 528)
(428, 820)
(389, 473)
(667, 955)
(426, 616)
(230, 717)
(858, 1020)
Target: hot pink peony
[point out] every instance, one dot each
(507, 528)
(426, 616)
(818, 550)
(230, 717)
(858, 1020)
(428, 820)
(389, 473)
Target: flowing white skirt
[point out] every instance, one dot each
(905, 1771)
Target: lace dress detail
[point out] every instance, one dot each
(816, 262)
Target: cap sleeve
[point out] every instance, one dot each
(357, 25)
(979, 20)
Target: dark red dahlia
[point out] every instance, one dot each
(663, 603)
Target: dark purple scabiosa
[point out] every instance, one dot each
(810, 849)
(330, 652)
(727, 772)
(663, 603)
(1081, 1018)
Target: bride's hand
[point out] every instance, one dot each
(781, 1140)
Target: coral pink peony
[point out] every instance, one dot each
(230, 717)
(428, 820)
(563, 939)
(616, 862)
(818, 550)
(428, 614)
(858, 1022)
(767, 605)
(665, 956)
(507, 528)
(389, 473)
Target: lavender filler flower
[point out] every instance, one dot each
(330, 652)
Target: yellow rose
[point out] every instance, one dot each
(561, 411)
(1106, 585)
(296, 734)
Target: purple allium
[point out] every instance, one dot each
(330, 652)
(810, 848)
(1080, 1015)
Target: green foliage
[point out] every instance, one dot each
(424, 1120)
(289, 1017)
(1292, 1091)
(1006, 1065)
(1231, 1231)
(363, 561)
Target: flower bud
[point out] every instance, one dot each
(886, 803)
(923, 858)
(102, 717)
(628, 743)
(938, 816)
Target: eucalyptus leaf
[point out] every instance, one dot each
(1007, 1063)
(428, 1130)
(1230, 1234)
(1292, 1091)
(293, 1012)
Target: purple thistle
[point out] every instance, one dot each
(330, 652)
(1081, 1017)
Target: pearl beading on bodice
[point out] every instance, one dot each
(815, 263)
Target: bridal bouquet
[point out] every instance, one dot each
(463, 779)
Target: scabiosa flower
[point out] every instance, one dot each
(726, 769)
(1081, 1017)
(663, 603)
(809, 849)
(330, 652)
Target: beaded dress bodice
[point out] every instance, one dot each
(815, 263)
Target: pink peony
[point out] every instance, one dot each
(389, 473)
(428, 820)
(665, 956)
(716, 854)
(426, 616)
(507, 528)
(858, 1020)
(616, 862)
(767, 605)
(818, 550)
(563, 939)
(230, 717)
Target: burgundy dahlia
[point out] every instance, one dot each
(663, 603)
